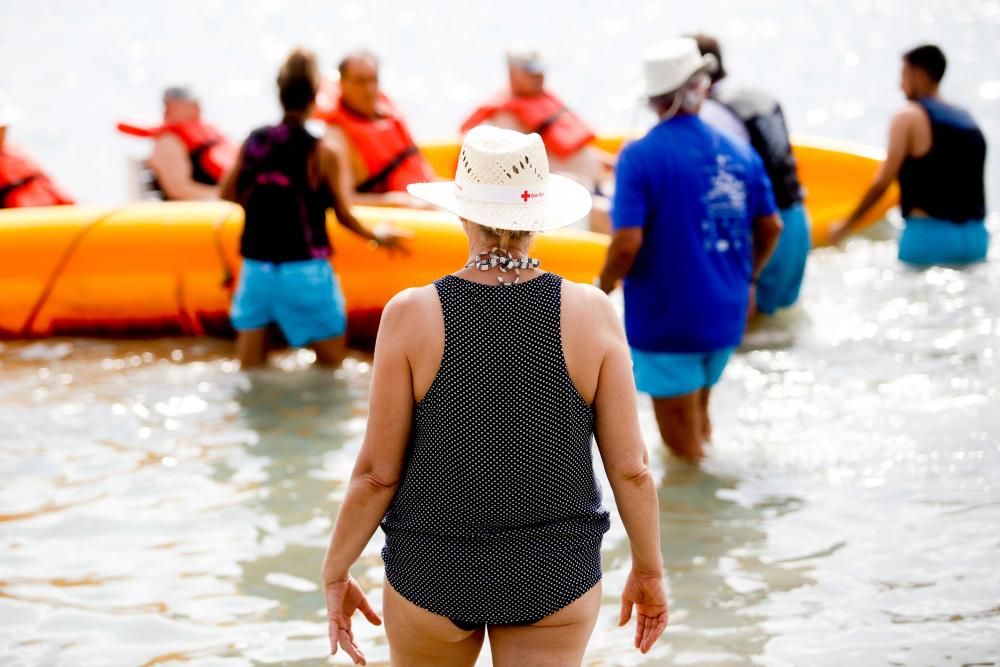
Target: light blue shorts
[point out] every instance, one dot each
(927, 241)
(667, 374)
(779, 283)
(303, 298)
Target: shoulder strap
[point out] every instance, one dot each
(8, 189)
(372, 182)
(550, 121)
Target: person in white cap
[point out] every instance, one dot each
(22, 181)
(487, 390)
(695, 223)
(526, 105)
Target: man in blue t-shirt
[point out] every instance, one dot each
(694, 224)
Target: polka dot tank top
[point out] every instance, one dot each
(498, 516)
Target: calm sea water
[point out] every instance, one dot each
(159, 507)
(77, 67)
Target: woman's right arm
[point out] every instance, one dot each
(332, 168)
(626, 463)
(376, 474)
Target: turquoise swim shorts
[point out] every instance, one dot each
(304, 299)
(779, 283)
(927, 241)
(668, 374)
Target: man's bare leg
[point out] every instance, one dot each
(681, 427)
(330, 352)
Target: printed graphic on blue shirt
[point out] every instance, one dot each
(724, 227)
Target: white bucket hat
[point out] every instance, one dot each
(9, 114)
(503, 181)
(670, 64)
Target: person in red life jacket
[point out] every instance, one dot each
(190, 156)
(22, 182)
(528, 106)
(285, 179)
(370, 137)
(937, 152)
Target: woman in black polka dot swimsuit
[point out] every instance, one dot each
(487, 390)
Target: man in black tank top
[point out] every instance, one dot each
(938, 154)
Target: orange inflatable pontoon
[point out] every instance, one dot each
(167, 268)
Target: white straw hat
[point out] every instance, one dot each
(670, 64)
(503, 181)
(9, 114)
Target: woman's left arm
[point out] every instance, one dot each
(376, 473)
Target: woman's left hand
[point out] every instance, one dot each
(343, 598)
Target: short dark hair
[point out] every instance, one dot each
(929, 58)
(710, 45)
(360, 54)
(298, 80)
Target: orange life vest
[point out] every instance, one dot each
(23, 183)
(392, 160)
(563, 132)
(212, 155)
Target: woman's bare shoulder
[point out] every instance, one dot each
(589, 317)
(412, 314)
(589, 300)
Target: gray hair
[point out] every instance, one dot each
(181, 93)
(358, 54)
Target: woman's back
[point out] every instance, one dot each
(285, 200)
(499, 477)
(484, 405)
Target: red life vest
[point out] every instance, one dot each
(212, 155)
(563, 132)
(392, 160)
(23, 183)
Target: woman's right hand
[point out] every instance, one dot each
(343, 598)
(647, 594)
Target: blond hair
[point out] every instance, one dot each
(505, 235)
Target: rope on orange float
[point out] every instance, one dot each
(228, 276)
(60, 266)
(189, 322)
